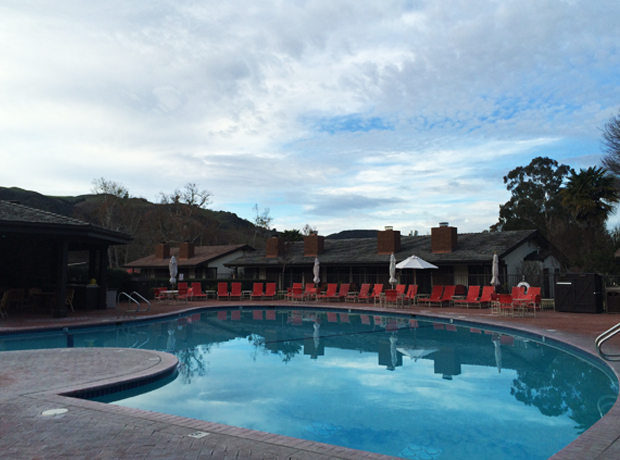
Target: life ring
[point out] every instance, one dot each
(524, 284)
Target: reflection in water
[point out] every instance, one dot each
(462, 393)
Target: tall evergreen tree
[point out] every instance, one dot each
(535, 202)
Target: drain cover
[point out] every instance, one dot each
(54, 412)
(198, 434)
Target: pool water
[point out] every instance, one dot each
(393, 385)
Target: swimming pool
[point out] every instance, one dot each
(390, 384)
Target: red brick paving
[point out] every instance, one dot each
(33, 381)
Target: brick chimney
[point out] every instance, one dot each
(274, 247)
(388, 241)
(443, 238)
(186, 250)
(162, 251)
(313, 245)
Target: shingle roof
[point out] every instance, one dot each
(471, 248)
(18, 213)
(202, 256)
(17, 218)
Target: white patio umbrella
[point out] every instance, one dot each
(392, 279)
(495, 270)
(174, 270)
(415, 263)
(416, 353)
(316, 270)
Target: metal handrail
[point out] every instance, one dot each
(142, 298)
(604, 337)
(129, 300)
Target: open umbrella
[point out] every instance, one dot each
(416, 353)
(316, 270)
(495, 280)
(174, 270)
(415, 263)
(393, 279)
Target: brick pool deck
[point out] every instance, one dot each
(32, 382)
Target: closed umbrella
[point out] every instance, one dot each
(495, 280)
(393, 279)
(174, 270)
(316, 270)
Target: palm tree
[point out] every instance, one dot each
(590, 196)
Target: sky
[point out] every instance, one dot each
(336, 114)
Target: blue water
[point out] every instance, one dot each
(391, 385)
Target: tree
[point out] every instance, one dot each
(611, 145)
(262, 222)
(535, 201)
(115, 214)
(292, 235)
(180, 223)
(590, 196)
(309, 230)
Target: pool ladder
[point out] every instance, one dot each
(131, 300)
(604, 337)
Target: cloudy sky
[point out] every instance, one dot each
(338, 114)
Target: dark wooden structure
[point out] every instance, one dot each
(35, 247)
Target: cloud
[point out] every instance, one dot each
(325, 112)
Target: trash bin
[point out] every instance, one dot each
(612, 299)
(111, 299)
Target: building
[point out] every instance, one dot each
(35, 246)
(464, 259)
(194, 262)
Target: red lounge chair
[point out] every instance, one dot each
(342, 293)
(412, 292)
(331, 292)
(289, 291)
(310, 291)
(435, 296)
(446, 298)
(485, 298)
(391, 298)
(400, 289)
(518, 292)
(297, 294)
(182, 285)
(222, 291)
(472, 295)
(257, 292)
(376, 293)
(197, 291)
(364, 293)
(270, 291)
(235, 291)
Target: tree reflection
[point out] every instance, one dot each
(561, 389)
(192, 362)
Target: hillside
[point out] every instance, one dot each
(149, 223)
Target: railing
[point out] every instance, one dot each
(604, 337)
(130, 301)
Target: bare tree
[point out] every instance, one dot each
(308, 230)
(611, 145)
(182, 206)
(262, 222)
(113, 213)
